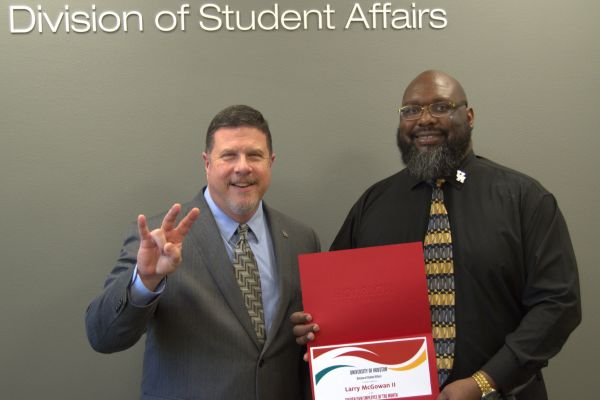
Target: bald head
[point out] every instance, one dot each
(438, 82)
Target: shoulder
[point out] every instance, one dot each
(278, 218)
(506, 178)
(386, 190)
(509, 189)
(303, 236)
(374, 209)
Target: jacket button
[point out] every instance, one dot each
(261, 362)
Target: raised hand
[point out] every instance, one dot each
(160, 250)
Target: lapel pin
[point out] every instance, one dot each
(284, 233)
(460, 176)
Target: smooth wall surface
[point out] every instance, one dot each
(97, 127)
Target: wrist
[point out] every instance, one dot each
(151, 282)
(486, 385)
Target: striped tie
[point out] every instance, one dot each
(440, 282)
(248, 278)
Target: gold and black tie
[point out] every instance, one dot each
(439, 269)
(248, 278)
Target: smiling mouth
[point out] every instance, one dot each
(242, 185)
(425, 138)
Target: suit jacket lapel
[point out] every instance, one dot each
(283, 264)
(208, 242)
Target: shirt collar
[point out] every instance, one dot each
(227, 226)
(458, 177)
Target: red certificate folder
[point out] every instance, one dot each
(368, 295)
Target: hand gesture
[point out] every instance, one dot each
(160, 250)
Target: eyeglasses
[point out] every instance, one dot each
(438, 109)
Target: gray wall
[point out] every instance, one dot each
(96, 128)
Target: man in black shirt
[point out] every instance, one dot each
(515, 275)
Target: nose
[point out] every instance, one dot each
(242, 166)
(426, 118)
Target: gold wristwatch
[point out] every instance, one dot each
(487, 391)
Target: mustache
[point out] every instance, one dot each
(419, 130)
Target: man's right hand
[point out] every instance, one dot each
(304, 329)
(160, 250)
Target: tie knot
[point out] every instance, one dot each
(242, 230)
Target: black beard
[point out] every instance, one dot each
(437, 161)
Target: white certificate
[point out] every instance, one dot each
(386, 369)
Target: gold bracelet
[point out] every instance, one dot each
(483, 383)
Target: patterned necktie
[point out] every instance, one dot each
(248, 278)
(440, 282)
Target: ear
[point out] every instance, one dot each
(206, 160)
(470, 116)
(272, 158)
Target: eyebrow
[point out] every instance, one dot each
(254, 150)
(435, 100)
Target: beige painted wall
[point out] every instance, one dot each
(96, 128)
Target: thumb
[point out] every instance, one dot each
(173, 252)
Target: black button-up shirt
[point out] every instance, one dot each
(517, 287)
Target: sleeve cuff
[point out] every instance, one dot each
(139, 294)
(504, 368)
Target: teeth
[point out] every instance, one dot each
(427, 134)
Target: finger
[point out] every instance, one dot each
(186, 223)
(169, 220)
(305, 357)
(302, 340)
(306, 329)
(143, 228)
(300, 317)
(303, 329)
(305, 333)
(159, 237)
